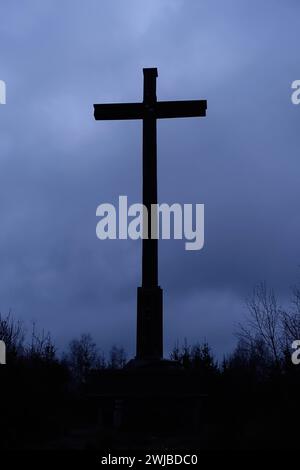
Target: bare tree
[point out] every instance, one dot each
(291, 319)
(198, 356)
(117, 358)
(13, 334)
(175, 354)
(264, 323)
(83, 356)
(41, 346)
(202, 357)
(254, 357)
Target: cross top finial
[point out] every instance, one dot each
(150, 71)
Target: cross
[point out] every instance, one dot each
(149, 341)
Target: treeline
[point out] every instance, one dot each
(264, 343)
(253, 391)
(81, 356)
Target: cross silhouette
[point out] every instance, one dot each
(149, 345)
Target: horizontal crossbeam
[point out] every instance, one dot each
(160, 110)
(180, 109)
(118, 111)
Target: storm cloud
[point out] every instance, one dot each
(57, 164)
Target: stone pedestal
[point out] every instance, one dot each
(150, 396)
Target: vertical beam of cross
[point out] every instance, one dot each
(150, 245)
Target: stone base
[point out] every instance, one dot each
(148, 395)
(152, 365)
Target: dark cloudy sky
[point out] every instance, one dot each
(57, 164)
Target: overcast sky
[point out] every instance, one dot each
(57, 164)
